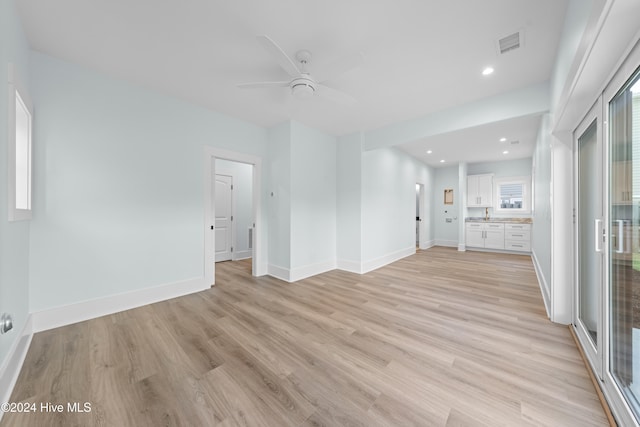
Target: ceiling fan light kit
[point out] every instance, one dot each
(303, 88)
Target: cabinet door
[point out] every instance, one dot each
(472, 191)
(485, 190)
(475, 237)
(494, 239)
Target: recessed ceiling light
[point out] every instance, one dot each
(441, 161)
(503, 139)
(505, 152)
(429, 151)
(487, 71)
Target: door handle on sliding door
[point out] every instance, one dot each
(598, 223)
(620, 242)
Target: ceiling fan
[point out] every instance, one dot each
(302, 84)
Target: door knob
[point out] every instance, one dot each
(6, 323)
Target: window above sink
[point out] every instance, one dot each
(513, 195)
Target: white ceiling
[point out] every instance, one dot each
(478, 144)
(419, 56)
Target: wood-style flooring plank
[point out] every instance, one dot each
(440, 338)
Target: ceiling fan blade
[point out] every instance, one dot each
(339, 67)
(282, 58)
(334, 95)
(262, 84)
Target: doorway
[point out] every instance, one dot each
(420, 211)
(233, 211)
(227, 242)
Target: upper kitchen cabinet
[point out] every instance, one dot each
(480, 191)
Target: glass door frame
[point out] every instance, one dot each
(593, 353)
(617, 402)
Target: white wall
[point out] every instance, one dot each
(541, 238)
(349, 202)
(14, 236)
(118, 184)
(302, 210)
(389, 178)
(279, 199)
(502, 169)
(446, 233)
(573, 35)
(242, 174)
(313, 201)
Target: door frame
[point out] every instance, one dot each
(258, 255)
(421, 211)
(593, 353)
(613, 394)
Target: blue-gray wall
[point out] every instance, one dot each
(14, 236)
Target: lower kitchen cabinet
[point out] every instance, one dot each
(488, 235)
(498, 235)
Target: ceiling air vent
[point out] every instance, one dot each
(509, 43)
(516, 142)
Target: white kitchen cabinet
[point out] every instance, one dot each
(480, 191)
(475, 235)
(508, 236)
(517, 237)
(489, 235)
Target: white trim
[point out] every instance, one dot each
(447, 243)
(13, 362)
(16, 88)
(278, 272)
(237, 256)
(462, 247)
(544, 287)
(78, 312)
(376, 263)
(305, 271)
(350, 266)
(428, 244)
(526, 195)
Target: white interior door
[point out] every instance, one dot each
(224, 217)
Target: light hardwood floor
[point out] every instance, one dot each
(441, 338)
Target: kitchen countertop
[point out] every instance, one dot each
(511, 220)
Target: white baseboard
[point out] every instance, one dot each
(350, 266)
(237, 256)
(12, 365)
(462, 247)
(303, 272)
(376, 263)
(428, 244)
(447, 243)
(78, 312)
(299, 273)
(278, 272)
(544, 288)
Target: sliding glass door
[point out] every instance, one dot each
(624, 244)
(589, 236)
(607, 240)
